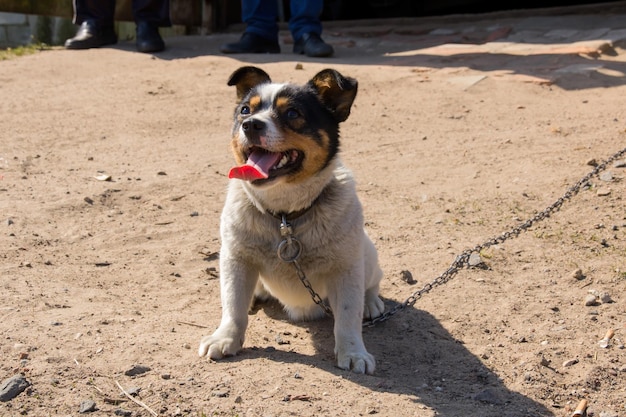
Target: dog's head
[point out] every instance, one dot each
(285, 132)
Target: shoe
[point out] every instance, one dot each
(251, 43)
(91, 35)
(148, 37)
(312, 45)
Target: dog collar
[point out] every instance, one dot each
(291, 215)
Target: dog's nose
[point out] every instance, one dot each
(253, 125)
(253, 129)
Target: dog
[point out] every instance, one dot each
(285, 141)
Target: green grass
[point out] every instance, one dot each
(11, 53)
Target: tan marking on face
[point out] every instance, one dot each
(255, 103)
(315, 155)
(237, 150)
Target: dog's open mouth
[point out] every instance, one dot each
(266, 165)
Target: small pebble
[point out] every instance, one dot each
(281, 341)
(606, 176)
(578, 274)
(103, 177)
(603, 192)
(407, 277)
(87, 406)
(475, 259)
(605, 298)
(590, 300)
(220, 393)
(123, 413)
(570, 363)
(12, 387)
(137, 370)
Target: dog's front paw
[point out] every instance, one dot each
(359, 362)
(220, 344)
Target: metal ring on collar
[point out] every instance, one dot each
(284, 245)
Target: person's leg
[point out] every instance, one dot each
(306, 28)
(261, 34)
(102, 12)
(305, 17)
(95, 18)
(260, 17)
(153, 11)
(149, 15)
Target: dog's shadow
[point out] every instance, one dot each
(416, 357)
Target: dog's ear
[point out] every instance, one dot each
(246, 78)
(336, 92)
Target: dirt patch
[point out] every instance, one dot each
(101, 275)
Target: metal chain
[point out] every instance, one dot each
(289, 250)
(461, 261)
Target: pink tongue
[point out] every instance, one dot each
(257, 167)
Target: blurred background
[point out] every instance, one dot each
(24, 22)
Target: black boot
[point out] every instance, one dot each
(251, 43)
(311, 44)
(91, 35)
(148, 37)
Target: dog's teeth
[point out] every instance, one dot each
(282, 162)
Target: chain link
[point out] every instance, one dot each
(293, 245)
(316, 297)
(460, 262)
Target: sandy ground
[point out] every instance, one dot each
(450, 148)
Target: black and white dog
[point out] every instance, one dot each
(285, 141)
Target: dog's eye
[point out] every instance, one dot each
(292, 114)
(245, 110)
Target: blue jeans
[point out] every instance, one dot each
(261, 16)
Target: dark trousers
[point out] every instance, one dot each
(260, 17)
(103, 11)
